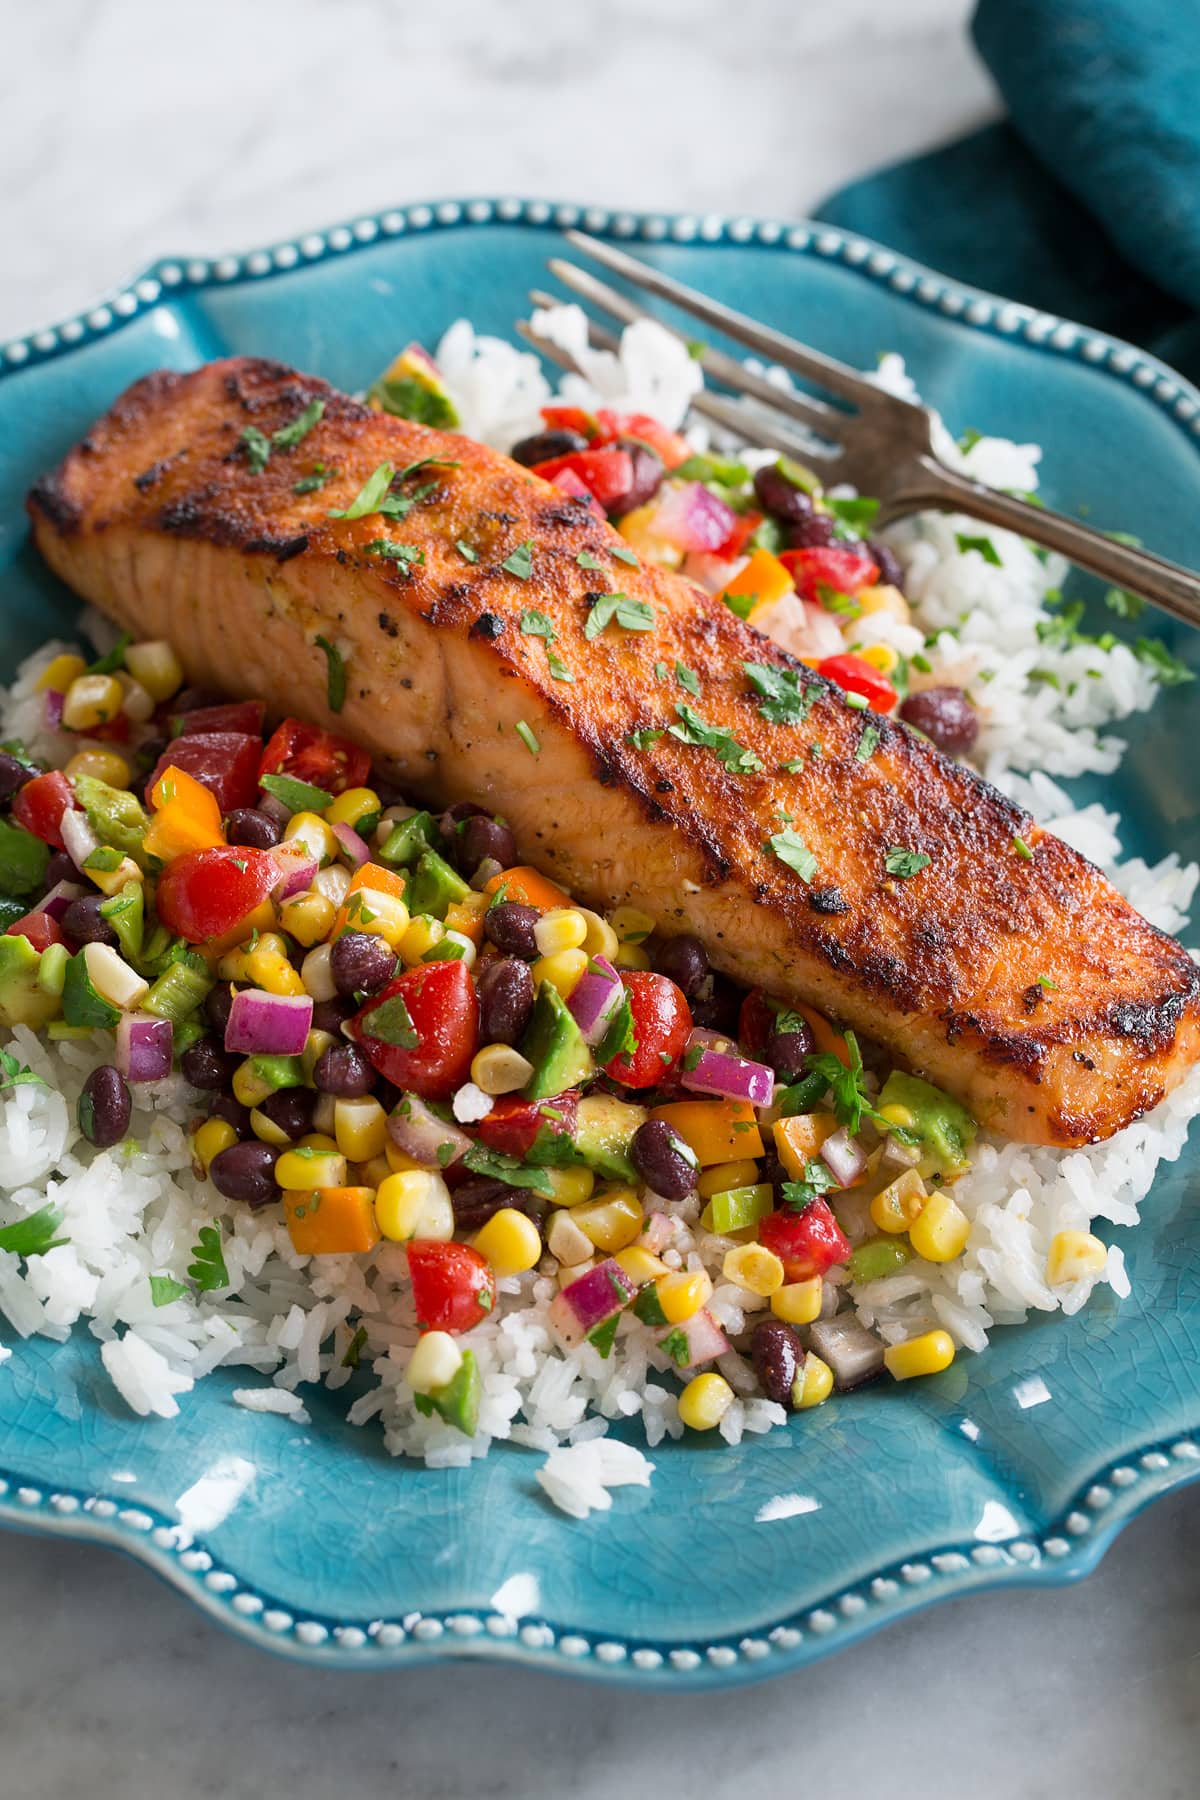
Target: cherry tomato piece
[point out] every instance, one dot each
(206, 893)
(737, 543)
(453, 1287)
(672, 448)
(514, 1125)
(842, 570)
(856, 676)
(806, 1243)
(422, 1029)
(570, 418)
(662, 1021)
(606, 474)
(225, 762)
(237, 715)
(321, 758)
(40, 929)
(39, 806)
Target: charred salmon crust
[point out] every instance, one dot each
(1007, 968)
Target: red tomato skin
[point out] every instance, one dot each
(756, 1022)
(570, 418)
(39, 806)
(237, 715)
(856, 676)
(843, 570)
(444, 1010)
(806, 1243)
(320, 757)
(39, 928)
(226, 762)
(737, 543)
(448, 1280)
(673, 448)
(606, 474)
(662, 1021)
(513, 1124)
(204, 893)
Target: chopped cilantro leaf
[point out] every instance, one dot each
(792, 851)
(406, 398)
(586, 560)
(557, 666)
(983, 545)
(370, 495)
(314, 480)
(786, 699)
(816, 1180)
(868, 743)
(520, 561)
(498, 1166)
(207, 1269)
(624, 554)
(397, 553)
(300, 796)
(164, 1289)
(34, 1234)
(355, 1348)
(687, 679)
(854, 518)
(466, 552)
(288, 436)
(733, 756)
(17, 1074)
(632, 615)
(905, 862)
(1170, 670)
(641, 740)
(527, 737)
(536, 624)
(391, 1023)
(792, 766)
(1123, 603)
(1044, 981)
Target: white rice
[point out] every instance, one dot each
(135, 1211)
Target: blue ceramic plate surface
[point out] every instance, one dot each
(319, 1544)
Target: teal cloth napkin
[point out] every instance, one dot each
(1086, 201)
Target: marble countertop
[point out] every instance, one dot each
(132, 130)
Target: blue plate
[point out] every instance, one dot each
(312, 1540)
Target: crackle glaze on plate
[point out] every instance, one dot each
(1019, 1466)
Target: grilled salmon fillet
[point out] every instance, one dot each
(633, 765)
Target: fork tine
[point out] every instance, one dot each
(815, 415)
(826, 371)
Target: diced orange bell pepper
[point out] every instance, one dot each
(529, 888)
(370, 879)
(332, 1221)
(799, 1139)
(374, 875)
(186, 817)
(823, 1032)
(466, 917)
(716, 1131)
(762, 582)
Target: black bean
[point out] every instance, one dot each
(777, 1353)
(207, 1065)
(510, 927)
(361, 963)
(659, 1156)
(451, 822)
(719, 1012)
(257, 830)
(685, 961)
(344, 1071)
(217, 1004)
(646, 478)
(104, 1107)
(246, 1172)
(482, 837)
(227, 1107)
(772, 1172)
(84, 923)
(476, 1201)
(505, 989)
(786, 1050)
(191, 699)
(149, 753)
(887, 562)
(291, 1109)
(331, 1015)
(780, 497)
(544, 444)
(13, 774)
(813, 533)
(60, 868)
(946, 717)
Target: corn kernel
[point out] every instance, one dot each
(924, 1355)
(816, 1384)
(705, 1401)
(352, 807)
(234, 965)
(322, 1112)
(682, 1293)
(567, 1244)
(798, 1302)
(435, 1361)
(315, 1046)
(630, 956)
(102, 765)
(611, 1222)
(382, 915)
(155, 664)
(601, 939)
(881, 657)
(317, 975)
(414, 1203)
(333, 882)
(510, 1242)
(111, 881)
(898, 1205)
(60, 672)
(562, 928)
(307, 917)
(723, 1176)
(398, 1161)
(266, 1130)
(91, 700)
(570, 1186)
(640, 1264)
(209, 1139)
(631, 924)
(940, 1230)
(883, 599)
(754, 1267)
(249, 1087)
(423, 933)
(562, 970)
(569, 1272)
(274, 973)
(898, 1115)
(637, 528)
(319, 1140)
(374, 1171)
(310, 829)
(1074, 1254)
(360, 1128)
(309, 1167)
(499, 1069)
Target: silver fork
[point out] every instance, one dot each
(873, 440)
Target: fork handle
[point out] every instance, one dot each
(1176, 590)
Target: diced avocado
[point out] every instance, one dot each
(279, 1071)
(184, 1034)
(23, 859)
(555, 1047)
(22, 1002)
(408, 840)
(412, 388)
(604, 1128)
(11, 910)
(81, 1003)
(458, 1401)
(115, 815)
(945, 1129)
(434, 886)
(126, 912)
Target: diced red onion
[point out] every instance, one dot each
(589, 1300)
(705, 1339)
(595, 998)
(60, 896)
(268, 1024)
(657, 1232)
(78, 837)
(692, 518)
(843, 1157)
(853, 1353)
(274, 808)
(52, 709)
(355, 847)
(144, 1046)
(416, 1130)
(722, 1072)
(298, 869)
(712, 573)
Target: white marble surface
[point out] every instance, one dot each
(130, 129)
